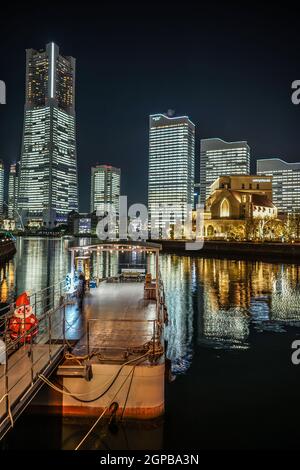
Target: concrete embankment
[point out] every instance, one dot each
(250, 250)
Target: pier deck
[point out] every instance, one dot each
(118, 318)
(122, 337)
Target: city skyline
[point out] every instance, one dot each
(150, 230)
(257, 109)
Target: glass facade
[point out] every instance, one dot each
(105, 188)
(48, 188)
(220, 158)
(171, 170)
(286, 182)
(12, 190)
(1, 187)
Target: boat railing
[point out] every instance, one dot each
(29, 353)
(40, 300)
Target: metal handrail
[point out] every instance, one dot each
(12, 305)
(51, 301)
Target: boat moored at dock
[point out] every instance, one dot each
(102, 356)
(122, 345)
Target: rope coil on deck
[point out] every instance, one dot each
(9, 408)
(76, 396)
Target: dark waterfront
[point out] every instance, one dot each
(231, 325)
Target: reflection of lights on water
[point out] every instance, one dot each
(4, 291)
(226, 298)
(285, 300)
(217, 302)
(177, 280)
(231, 324)
(71, 282)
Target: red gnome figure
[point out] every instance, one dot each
(23, 320)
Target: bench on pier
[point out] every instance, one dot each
(133, 274)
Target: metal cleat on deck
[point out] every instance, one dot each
(76, 370)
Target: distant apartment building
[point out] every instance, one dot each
(82, 223)
(12, 190)
(2, 173)
(286, 182)
(218, 158)
(171, 170)
(105, 188)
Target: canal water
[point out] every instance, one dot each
(231, 326)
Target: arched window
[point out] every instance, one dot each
(224, 208)
(210, 231)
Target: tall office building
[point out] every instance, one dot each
(105, 188)
(12, 190)
(286, 182)
(171, 170)
(196, 195)
(220, 158)
(1, 187)
(48, 188)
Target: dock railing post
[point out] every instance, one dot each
(88, 338)
(64, 325)
(34, 309)
(154, 334)
(156, 274)
(50, 334)
(31, 358)
(6, 368)
(53, 299)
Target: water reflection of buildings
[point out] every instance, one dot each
(285, 298)
(220, 300)
(7, 282)
(238, 293)
(40, 263)
(211, 301)
(179, 281)
(37, 264)
(105, 264)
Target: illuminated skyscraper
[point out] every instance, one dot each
(286, 182)
(12, 190)
(220, 158)
(1, 187)
(48, 188)
(171, 169)
(105, 188)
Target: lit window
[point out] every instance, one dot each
(224, 208)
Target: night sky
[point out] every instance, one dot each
(229, 68)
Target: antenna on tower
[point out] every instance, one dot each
(171, 112)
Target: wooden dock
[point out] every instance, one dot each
(118, 318)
